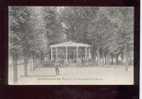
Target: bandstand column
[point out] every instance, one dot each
(89, 55)
(51, 54)
(66, 54)
(56, 53)
(77, 54)
(86, 53)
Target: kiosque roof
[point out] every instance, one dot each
(70, 44)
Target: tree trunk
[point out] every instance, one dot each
(42, 59)
(105, 59)
(98, 57)
(93, 51)
(25, 66)
(126, 58)
(33, 62)
(112, 59)
(15, 69)
(109, 59)
(121, 56)
(117, 60)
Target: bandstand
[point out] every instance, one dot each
(70, 52)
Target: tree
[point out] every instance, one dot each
(76, 20)
(19, 35)
(101, 31)
(54, 28)
(106, 32)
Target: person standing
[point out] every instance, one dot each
(57, 69)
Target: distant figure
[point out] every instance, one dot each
(57, 70)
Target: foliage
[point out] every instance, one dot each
(108, 29)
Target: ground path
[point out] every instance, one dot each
(78, 75)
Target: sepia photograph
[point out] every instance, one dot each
(70, 45)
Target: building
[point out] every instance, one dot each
(70, 52)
